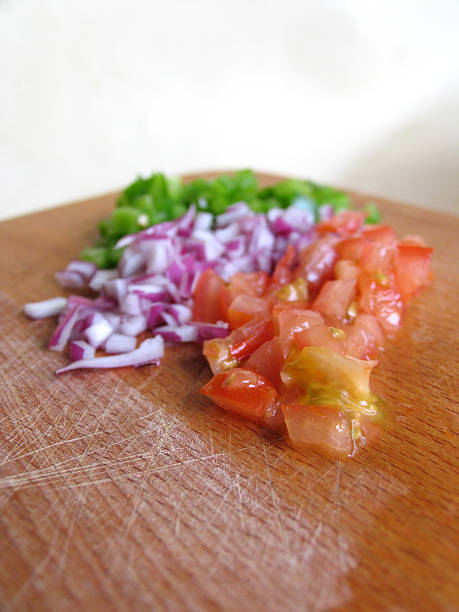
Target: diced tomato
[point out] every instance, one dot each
(345, 269)
(377, 258)
(291, 321)
(345, 223)
(323, 428)
(243, 283)
(412, 268)
(225, 353)
(381, 300)
(268, 360)
(334, 298)
(316, 263)
(283, 270)
(207, 307)
(322, 335)
(244, 308)
(380, 233)
(364, 337)
(351, 248)
(412, 240)
(297, 291)
(329, 379)
(243, 392)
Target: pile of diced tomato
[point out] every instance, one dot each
(304, 340)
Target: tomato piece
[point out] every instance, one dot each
(378, 258)
(328, 379)
(364, 338)
(244, 308)
(344, 223)
(412, 268)
(225, 353)
(345, 269)
(206, 295)
(282, 273)
(297, 291)
(243, 392)
(323, 428)
(331, 338)
(316, 263)
(291, 321)
(243, 283)
(351, 248)
(268, 360)
(383, 300)
(380, 233)
(412, 240)
(334, 298)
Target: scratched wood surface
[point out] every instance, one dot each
(127, 490)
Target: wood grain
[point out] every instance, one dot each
(127, 490)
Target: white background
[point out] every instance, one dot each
(358, 93)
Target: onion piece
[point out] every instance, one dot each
(98, 332)
(207, 331)
(178, 333)
(149, 352)
(132, 325)
(79, 349)
(120, 343)
(100, 278)
(45, 308)
(63, 331)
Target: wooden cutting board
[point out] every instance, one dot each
(127, 490)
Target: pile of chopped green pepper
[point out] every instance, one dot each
(158, 198)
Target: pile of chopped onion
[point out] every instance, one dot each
(152, 288)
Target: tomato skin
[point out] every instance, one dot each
(268, 360)
(206, 295)
(377, 258)
(380, 233)
(243, 392)
(323, 428)
(293, 321)
(351, 248)
(364, 338)
(316, 263)
(335, 297)
(344, 224)
(282, 273)
(382, 301)
(225, 353)
(412, 268)
(244, 308)
(320, 336)
(345, 269)
(242, 283)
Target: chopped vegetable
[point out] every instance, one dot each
(153, 200)
(292, 314)
(319, 350)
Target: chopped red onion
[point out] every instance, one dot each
(160, 266)
(149, 352)
(119, 343)
(98, 332)
(70, 279)
(45, 308)
(63, 331)
(79, 349)
(178, 333)
(132, 325)
(131, 262)
(207, 331)
(100, 278)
